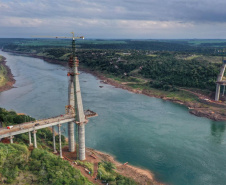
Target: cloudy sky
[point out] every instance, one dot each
(138, 19)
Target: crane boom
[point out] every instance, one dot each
(73, 37)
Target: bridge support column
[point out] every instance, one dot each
(54, 140)
(11, 139)
(35, 140)
(29, 134)
(217, 94)
(71, 102)
(223, 91)
(71, 137)
(82, 149)
(60, 147)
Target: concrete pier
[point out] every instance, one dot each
(71, 102)
(11, 139)
(35, 140)
(82, 154)
(80, 116)
(54, 140)
(29, 134)
(217, 94)
(71, 137)
(223, 91)
(60, 147)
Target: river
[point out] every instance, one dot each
(179, 148)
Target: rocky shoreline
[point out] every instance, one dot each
(10, 81)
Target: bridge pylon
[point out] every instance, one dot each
(76, 107)
(220, 80)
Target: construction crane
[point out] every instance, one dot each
(62, 37)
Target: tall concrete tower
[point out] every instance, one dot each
(75, 103)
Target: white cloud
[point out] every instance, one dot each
(20, 22)
(115, 18)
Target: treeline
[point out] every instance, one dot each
(27, 45)
(11, 118)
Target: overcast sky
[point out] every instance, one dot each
(138, 19)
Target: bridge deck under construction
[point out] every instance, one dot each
(36, 125)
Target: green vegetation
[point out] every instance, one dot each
(3, 73)
(13, 159)
(51, 170)
(106, 173)
(87, 165)
(11, 118)
(46, 168)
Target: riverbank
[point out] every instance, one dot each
(195, 108)
(140, 176)
(200, 107)
(8, 79)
